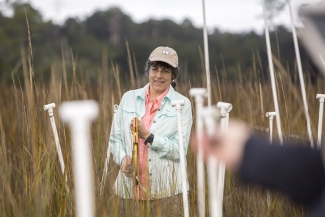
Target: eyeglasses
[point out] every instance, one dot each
(164, 71)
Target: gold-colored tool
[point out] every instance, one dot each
(135, 161)
(135, 153)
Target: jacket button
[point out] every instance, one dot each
(154, 121)
(149, 159)
(158, 109)
(150, 174)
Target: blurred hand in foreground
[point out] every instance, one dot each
(227, 145)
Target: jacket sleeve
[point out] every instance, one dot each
(295, 170)
(168, 147)
(116, 144)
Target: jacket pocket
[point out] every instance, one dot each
(168, 113)
(130, 110)
(166, 124)
(129, 113)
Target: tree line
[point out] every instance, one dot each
(109, 31)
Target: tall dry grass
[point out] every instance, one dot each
(31, 182)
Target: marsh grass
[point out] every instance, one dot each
(31, 182)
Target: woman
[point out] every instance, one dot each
(159, 158)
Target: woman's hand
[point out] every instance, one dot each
(143, 133)
(127, 167)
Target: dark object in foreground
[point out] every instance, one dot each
(297, 171)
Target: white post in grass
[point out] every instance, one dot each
(321, 98)
(206, 55)
(210, 115)
(301, 77)
(224, 109)
(274, 93)
(49, 108)
(178, 104)
(108, 154)
(199, 94)
(271, 115)
(79, 114)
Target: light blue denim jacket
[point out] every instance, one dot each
(163, 153)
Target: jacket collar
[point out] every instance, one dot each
(142, 92)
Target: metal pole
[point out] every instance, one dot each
(321, 98)
(79, 114)
(270, 115)
(178, 104)
(199, 94)
(269, 54)
(206, 55)
(301, 77)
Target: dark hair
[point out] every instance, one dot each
(175, 70)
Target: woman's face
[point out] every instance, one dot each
(159, 79)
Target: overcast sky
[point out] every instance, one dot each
(227, 15)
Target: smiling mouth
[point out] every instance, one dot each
(159, 82)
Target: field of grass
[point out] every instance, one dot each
(31, 182)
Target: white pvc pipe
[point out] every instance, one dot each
(321, 59)
(206, 55)
(79, 114)
(227, 120)
(321, 98)
(108, 154)
(269, 54)
(224, 109)
(301, 77)
(220, 183)
(178, 104)
(271, 115)
(49, 108)
(199, 94)
(215, 202)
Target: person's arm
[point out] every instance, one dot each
(117, 147)
(168, 147)
(115, 140)
(294, 170)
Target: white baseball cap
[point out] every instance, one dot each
(165, 54)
